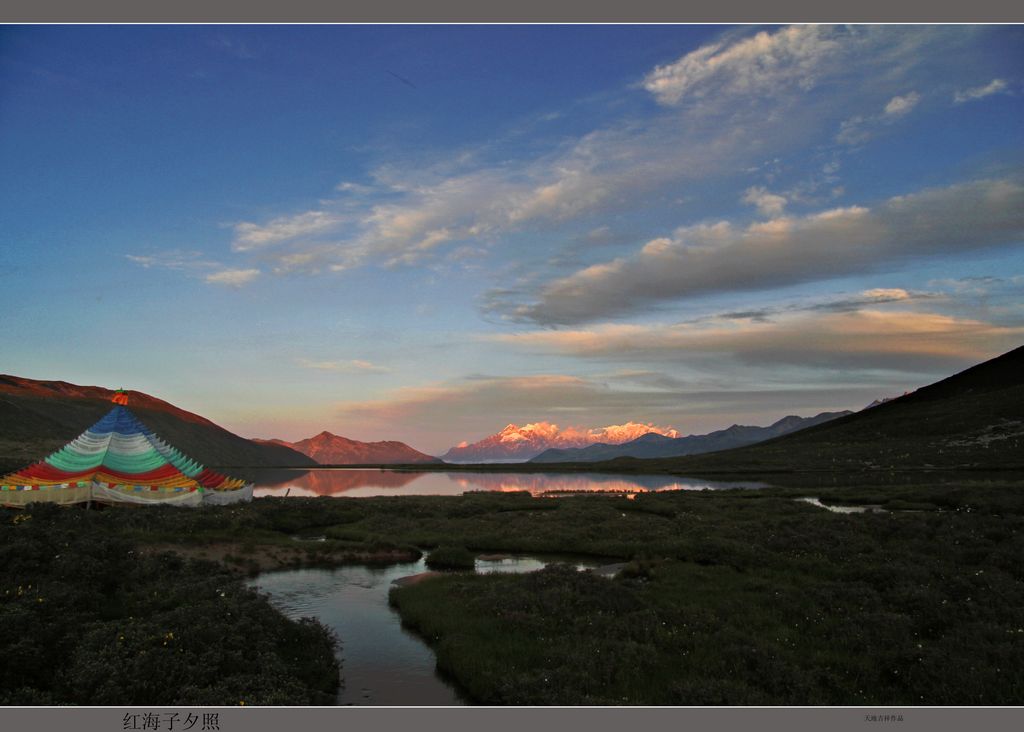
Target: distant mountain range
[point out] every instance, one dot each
(330, 449)
(972, 420)
(653, 445)
(519, 444)
(38, 417)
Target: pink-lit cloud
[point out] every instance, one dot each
(861, 338)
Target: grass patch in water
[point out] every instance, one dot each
(451, 557)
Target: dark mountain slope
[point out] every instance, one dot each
(38, 417)
(972, 420)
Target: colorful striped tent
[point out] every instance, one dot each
(120, 460)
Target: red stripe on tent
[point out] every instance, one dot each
(48, 472)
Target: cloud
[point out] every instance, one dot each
(996, 86)
(727, 106)
(723, 257)
(899, 106)
(193, 263)
(838, 304)
(354, 188)
(854, 130)
(983, 285)
(861, 128)
(857, 339)
(763, 64)
(769, 204)
(350, 366)
(752, 105)
(174, 259)
(249, 236)
(233, 277)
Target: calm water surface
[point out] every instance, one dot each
(836, 508)
(360, 483)
(381, 663)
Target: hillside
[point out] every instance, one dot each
(38, 417)
(330, 449)
(972, 420)
(653, 445)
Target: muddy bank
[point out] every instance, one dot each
(415, 579)
(268, 557)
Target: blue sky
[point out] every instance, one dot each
(426, 232)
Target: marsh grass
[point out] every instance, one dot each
(451, 557)
(85, 618)
(728, 597)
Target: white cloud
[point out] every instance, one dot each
(899, 106)
(996, 86)
(762, 64)
(769, 204)
(723, 257)
(233, 277)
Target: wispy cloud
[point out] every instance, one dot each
(861, 128)
(723, 257)
(174, 259)
(749, 102)
(763, 64)
(996, 86)
(350, 366)
(193, 262)
(249, 236)
(232, 277)
(234, 45)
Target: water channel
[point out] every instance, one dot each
(381, 662)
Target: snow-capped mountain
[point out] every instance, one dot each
(515, 443)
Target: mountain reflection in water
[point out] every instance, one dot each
(358, 483)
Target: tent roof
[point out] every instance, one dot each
(120, 450)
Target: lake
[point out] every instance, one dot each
(362, 483)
